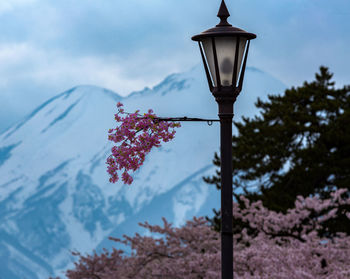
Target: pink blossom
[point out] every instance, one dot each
(137, 136)
(286, 246)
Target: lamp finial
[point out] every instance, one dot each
(223, 14)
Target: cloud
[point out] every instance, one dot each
(54, 68)
(26, 63)
(47, 47)
(9, 5)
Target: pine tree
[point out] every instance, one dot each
(298, 145)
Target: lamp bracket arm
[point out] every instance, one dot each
(185, 118)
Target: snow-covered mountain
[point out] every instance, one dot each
(54, 191)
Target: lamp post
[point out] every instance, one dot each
(223, 48)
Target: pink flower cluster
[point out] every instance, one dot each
(286, 246)
(137, 136)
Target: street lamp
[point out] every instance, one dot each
(223, 48)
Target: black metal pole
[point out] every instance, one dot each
(226, 116)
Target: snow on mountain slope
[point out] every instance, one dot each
(54, 191)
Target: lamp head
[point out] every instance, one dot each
(223, 49)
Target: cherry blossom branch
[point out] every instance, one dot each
(131, 156)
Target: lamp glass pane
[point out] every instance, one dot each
(209, 55)
(241, 48)
(225, 49)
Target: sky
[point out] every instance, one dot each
(47, 47)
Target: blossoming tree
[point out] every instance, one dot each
(277, 246)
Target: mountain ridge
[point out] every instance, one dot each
(54, 189)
